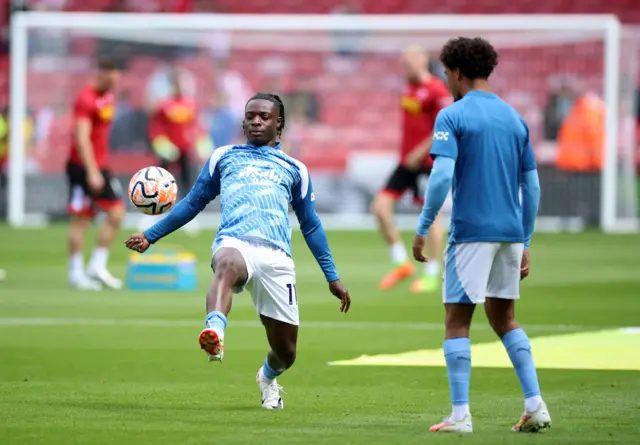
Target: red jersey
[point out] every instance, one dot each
(420, 106)
(175, 119)
(99, 109)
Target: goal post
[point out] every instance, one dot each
(526, 38)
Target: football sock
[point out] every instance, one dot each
(518, 347)
(76, 264)
(216, 320)
(398, 253)
(99, 258)
(268, 372)
(432, 268)
(457, 354)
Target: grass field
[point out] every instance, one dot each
(125, 368)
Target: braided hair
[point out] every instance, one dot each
(275, 99)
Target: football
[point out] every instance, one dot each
(153, 190)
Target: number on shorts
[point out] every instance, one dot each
(292, 293)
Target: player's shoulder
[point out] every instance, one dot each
(86, 94)
(294, 164)
(217, 155)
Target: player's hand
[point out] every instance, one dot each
(95, 181)
(341, 292)
(137, 242)
(525, 265)
(418, 247)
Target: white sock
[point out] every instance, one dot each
(460, 412)
(531, 404)
(398, 253)
(76, 264)
(432, 268)
(99, 258)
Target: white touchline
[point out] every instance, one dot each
(6, 322)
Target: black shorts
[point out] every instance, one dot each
(82, 201)
(402, 179)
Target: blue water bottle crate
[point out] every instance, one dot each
(162, 270)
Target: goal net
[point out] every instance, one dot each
(342, 84)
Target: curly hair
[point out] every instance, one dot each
(275, 99)
(475, 58)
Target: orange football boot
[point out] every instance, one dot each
(397, 275)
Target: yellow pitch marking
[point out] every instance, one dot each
(602, 350)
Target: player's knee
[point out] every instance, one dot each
(379, 207)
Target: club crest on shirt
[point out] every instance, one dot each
(411, 104)
(179, 114)
(106, 112)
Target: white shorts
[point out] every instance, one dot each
(272, 280)
(474, 271)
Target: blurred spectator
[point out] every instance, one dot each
(129, 129)
(233, 86)
(48, 44)
(223, 127)
(347, 42)
(560, 101)
(159, 85)
(304, 99)
(579, 155)
(297, 124)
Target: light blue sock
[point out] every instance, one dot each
(457, 354)
(268, 371)
(518, 347)
(216, 320)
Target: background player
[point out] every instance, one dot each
(92, 187)
(256, 183)
(424, 96)
(175, 133)
(482, 145)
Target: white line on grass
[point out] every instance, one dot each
(4, 322)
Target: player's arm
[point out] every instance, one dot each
(445, 153)
(419, 153)
(423, 149)
(83, 109)
(530, 186)
(205, 190)
(83, 142)
(304, 207)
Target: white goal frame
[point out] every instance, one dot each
(608, 26)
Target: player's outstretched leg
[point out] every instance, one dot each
(77, 277)
(283, 338)
(382, 208)
(501, 316)
(97, 268)
(457, 354)
(230, 271)
(431, 278)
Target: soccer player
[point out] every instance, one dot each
(175, 133)
(256, 183)
(92, 187)
(481, 146)
(425, 95)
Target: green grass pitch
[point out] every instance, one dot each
(125, 368)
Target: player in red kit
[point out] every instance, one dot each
(92, 188)
(424, 96)
(175, 132)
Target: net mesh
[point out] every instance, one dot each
(342, 94)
